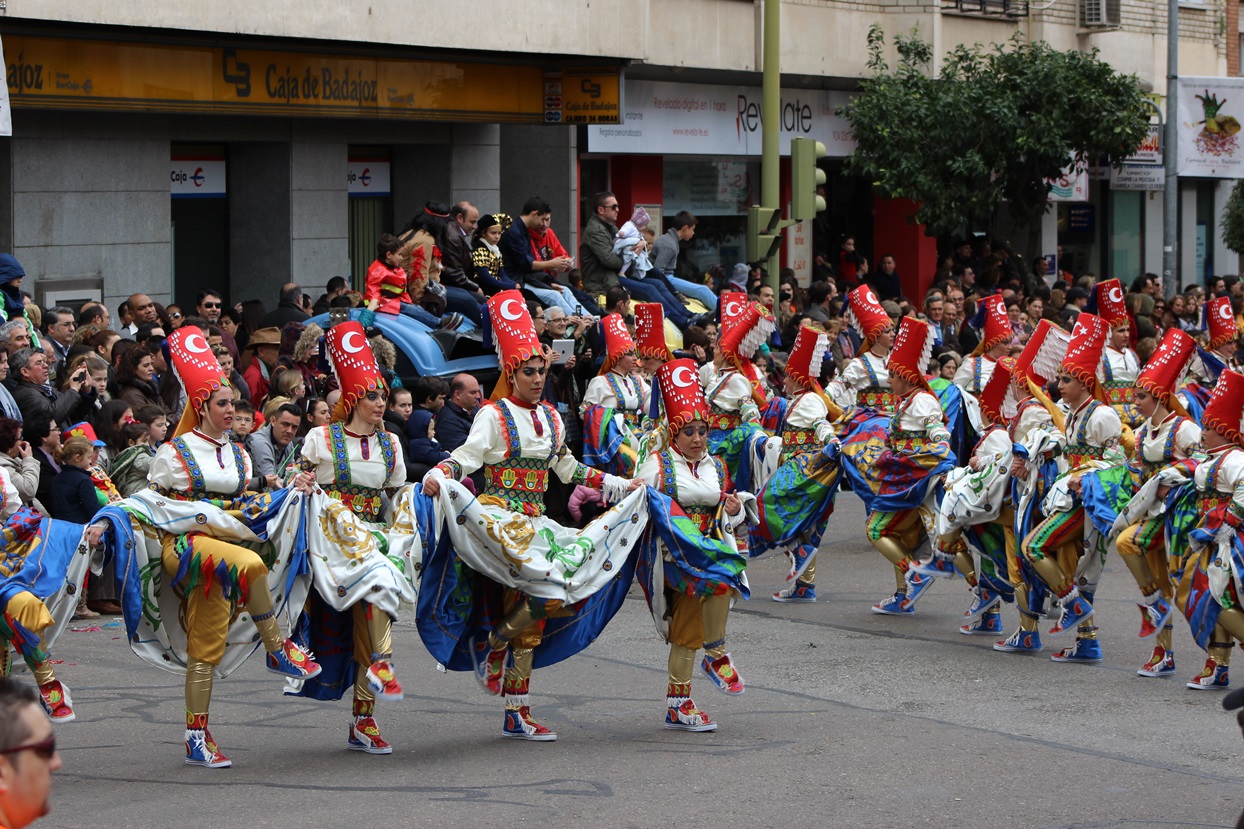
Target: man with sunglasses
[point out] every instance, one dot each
(28, 756)
(208, 305)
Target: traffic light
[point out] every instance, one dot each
(763, 236)
(805, 177)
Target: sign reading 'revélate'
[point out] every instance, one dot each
(64, 73)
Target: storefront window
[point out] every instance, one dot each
(718, 191)
(1127, 240)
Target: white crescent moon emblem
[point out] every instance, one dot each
(1116, 294)
(1224, 311)
(732, 308)
(506, 313)
(345, 343)
(196, 344)
(682, 377)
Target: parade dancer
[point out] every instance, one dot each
(1165, 444)
(736, 398)
(31, 559)
(973, 375)
(191, 521)
(797, 501)
(1208, 573)
(362, 561)
(866, 377)
(1062, 549)
(691, 583)
(975, 519)
(1218, 323)
(897, 470)
(614, 403)
(506, 542)
(653, 352)
(1120, 364)
(1037, 441)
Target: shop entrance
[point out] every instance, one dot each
(371, 207)
(200, 222)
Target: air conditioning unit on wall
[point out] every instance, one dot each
(1100, 14)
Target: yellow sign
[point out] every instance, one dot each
(81, 74)
(583, 95)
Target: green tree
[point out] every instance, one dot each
(1233, 219)
(997, 125)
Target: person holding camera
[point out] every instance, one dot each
(36, 398)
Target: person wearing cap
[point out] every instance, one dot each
(795, 504)
(1037, 443)
(1210, 603)
(266, 345)
(975, 521)
(1063, 549)
(974, 373)
(1165, 445)
(614, 403)
(1120, 365)
(690, 592)
(522, 563)
(866, 375)
(895, 468)
(736, 397)
(486, 258)
(193, 521)
(361, 560)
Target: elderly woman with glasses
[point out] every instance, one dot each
(508, 580)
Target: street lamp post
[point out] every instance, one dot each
(770, 128)
(1170, 157)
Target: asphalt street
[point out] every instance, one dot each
(849, 720)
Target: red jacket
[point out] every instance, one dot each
(387, 285)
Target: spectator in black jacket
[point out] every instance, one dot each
(396, 414)
(885, 280)
(72, 490)
(43, 435)
(457, 267)
(453, 421)
(28, 369)
(289, 310)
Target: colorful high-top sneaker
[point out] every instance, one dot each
(989, 624)
(799, 592)
(1021, 641)
(518, 721)
(201, 749)
(489, 665)
(984, 600)
(364, 733)
(381, 681)
(1153, 617)
(56, 702)
(1075, 609)
(293, 661)
(1161, 663)
(681, 713)
(723, 674)
(896, 605)
(916, 585)
(940, 566)
(1084, 650)
(1213, 677)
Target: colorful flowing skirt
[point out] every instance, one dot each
(794, 507)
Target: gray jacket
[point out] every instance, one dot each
(665, 252)
(267, 458)
(597, 261)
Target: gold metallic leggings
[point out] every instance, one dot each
(373, 641)
(895, 535)
(696, 622)
(1142, 547)
(522, 630)
(26, 608)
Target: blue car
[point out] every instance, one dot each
(422, 352)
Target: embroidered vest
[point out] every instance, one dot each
(1079, 452)
(520, 483)
(198, 487)
(874, 395)
(1147, 468)
(363, 501)
(704, 515)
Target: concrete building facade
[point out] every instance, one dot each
(291, 106)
